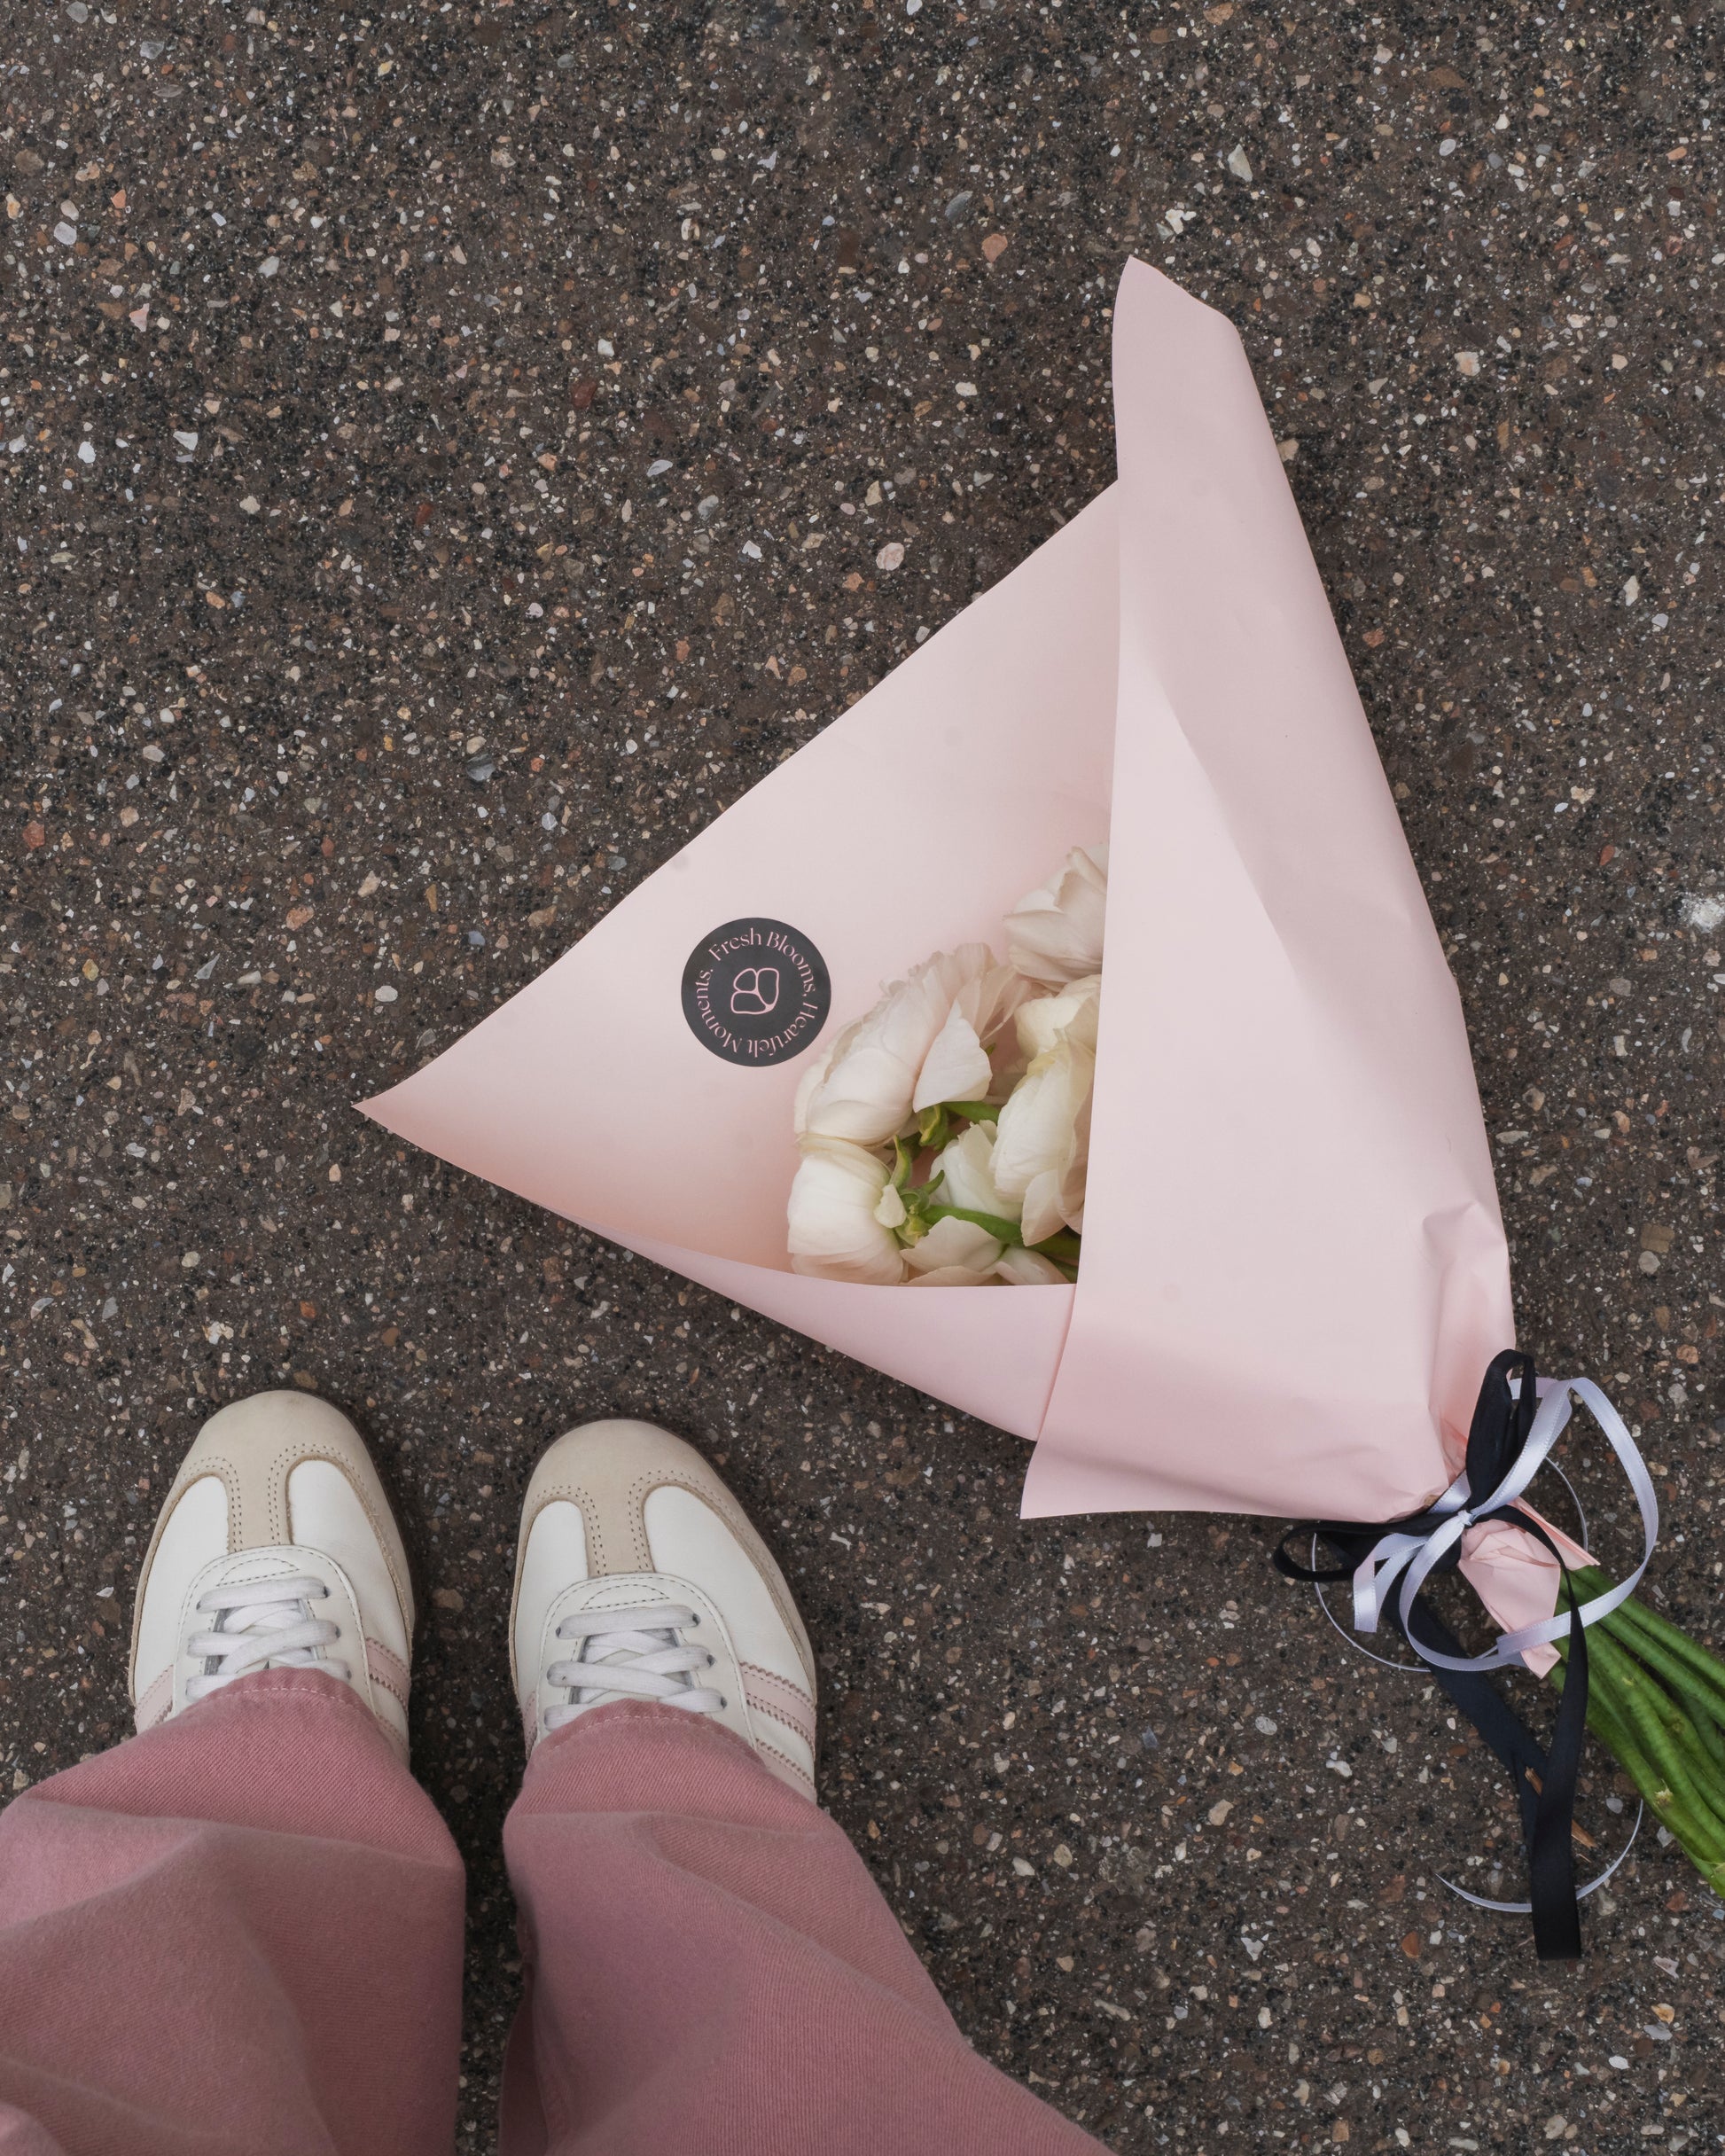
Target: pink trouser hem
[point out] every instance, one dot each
(242, 1931)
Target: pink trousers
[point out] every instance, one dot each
(240, 1934)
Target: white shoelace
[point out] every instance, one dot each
(277, 1631)
(641, 1656)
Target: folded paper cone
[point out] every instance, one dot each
(1294, 1270)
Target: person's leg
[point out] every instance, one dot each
(711, 1968)
(241, 1930)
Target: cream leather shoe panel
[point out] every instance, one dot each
(553, 1559)
(325, 1513)
(689, 1540)
(193, 1532)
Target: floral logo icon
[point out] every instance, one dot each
(755, 991)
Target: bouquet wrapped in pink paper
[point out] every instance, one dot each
(1293, 1275)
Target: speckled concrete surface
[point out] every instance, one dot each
(447, 455)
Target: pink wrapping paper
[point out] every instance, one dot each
(1295, 1269)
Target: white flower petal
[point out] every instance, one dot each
(832, 1228)
(954, 1242)
(811, 1081)
(1042, 1142)
(1055, 932)
(1042, 1216)
(966, 1169)
(956, 1066)
(1029, 1269)
(866, 1090)
(1071, 1013)
(890, 1212)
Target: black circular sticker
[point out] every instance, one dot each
(755, 992)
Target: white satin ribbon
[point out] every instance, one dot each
(1526, 1909)
(1412, 1557)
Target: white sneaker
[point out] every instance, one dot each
(275, 1550)
(638, 1577)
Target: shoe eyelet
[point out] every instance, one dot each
(711, 1659)
(723, 1702)
(694, 1620)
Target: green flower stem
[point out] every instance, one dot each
(1685, 1734)
(1701, 1843)
(1615, 1734)
(1064, 1248)
(1006, 1231)
(1611, 1730)
(1667, 1736)
(1648, 1709)
(972, 1111)
(935, 1125)
(1705, 1671)
(1692, 1675)
(1681, 1728)
(1657, 1702)
(1673, 1674)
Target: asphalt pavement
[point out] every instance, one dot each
(398, 408)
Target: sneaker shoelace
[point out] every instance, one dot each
(640, 1656)
(261, 1624)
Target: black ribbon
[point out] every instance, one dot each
(1543, 1777)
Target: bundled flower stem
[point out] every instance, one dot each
(1656, 1701)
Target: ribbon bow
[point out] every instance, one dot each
(1518, 1420)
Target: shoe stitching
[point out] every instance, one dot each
(805, 1780)
(393, 1660)
(155, 1703)
(759, 1706)
(382, 1671)
(772, 1676)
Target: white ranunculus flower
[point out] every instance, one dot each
(841, 1215)
(1055, 933)
(863, 1088)
(954, 1246)
(965, 1171)
(966, 1055)
(1043, 1140)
